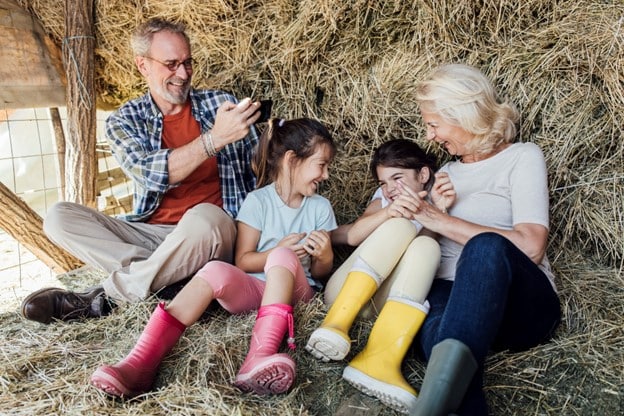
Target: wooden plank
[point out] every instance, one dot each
(26, 226)
(59, 137)
(32, 74)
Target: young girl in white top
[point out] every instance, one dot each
(393, 267)
(283, 245)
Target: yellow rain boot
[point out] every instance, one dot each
(376, 370)
(331, 340)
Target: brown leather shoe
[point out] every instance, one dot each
(53, 303)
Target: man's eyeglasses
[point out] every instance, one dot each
(174, 65)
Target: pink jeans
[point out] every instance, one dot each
(239, 292)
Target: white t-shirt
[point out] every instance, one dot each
(265, 211)
(384, 203)
(506, 189)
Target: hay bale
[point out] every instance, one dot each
(45, 369)
(354, 65)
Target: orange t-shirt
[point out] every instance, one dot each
(202, 185)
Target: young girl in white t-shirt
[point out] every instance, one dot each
(393, 268)
(283, 245)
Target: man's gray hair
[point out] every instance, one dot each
(143, 35)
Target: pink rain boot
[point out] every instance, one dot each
(264, 370)
(135, 374)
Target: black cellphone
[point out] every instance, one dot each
(265, 110)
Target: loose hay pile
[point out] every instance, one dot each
(354, 65)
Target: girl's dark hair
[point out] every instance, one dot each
(302, 136)
(405, 154)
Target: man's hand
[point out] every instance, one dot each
(233, 121)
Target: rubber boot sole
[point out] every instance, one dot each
(328, 345)
(105, 378)
(274, 374)
(390, 395)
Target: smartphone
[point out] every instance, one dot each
(265, 110)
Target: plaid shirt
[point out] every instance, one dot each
(134, 133)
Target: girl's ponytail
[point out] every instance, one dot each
(260, 162)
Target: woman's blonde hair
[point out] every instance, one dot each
(464, 97)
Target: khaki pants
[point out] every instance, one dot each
(142, 258)
(406, 262)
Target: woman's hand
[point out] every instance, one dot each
(443, 192)
(530, 238)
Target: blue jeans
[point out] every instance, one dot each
(499, 300)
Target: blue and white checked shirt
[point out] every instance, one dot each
(134, 133)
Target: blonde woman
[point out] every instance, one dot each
(494, 288)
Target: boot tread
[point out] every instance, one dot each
(326, 344)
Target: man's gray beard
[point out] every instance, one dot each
(175, 98)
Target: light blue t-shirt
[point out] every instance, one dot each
(265, 211)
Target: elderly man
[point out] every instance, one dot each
(188, 153)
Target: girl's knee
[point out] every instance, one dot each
(394, 227)
(284, 257)
(424, 246)
(215, 273)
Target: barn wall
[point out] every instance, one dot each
(32, 74)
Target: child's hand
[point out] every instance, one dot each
(404, 205)
(292, 241)
(443, 192)
(318, 244)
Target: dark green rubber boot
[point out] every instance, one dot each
(447, 378)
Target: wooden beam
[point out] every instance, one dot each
(59, 137)
(78, 58)
(26, 226)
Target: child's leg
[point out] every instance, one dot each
(411, 278)
(376, 370)
(337, 279)
(265, 370)
(236, 291)
(378, 256)
(286, 280)
(136, 372)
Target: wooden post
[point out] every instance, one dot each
(78, 59)
(26, 226)
(59, 137)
